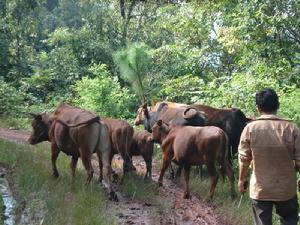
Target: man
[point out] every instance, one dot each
(272, 146)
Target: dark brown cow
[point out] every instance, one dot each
(232, 121)
(120, 132)
(77, 133)
(184, 116)
(189, 146)
(142, 144)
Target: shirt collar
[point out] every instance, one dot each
(270, 116)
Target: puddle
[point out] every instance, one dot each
(8, 201)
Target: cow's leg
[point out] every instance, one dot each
(126, 165)
(54, 155)
(178, 172)
(165, 164)
(86, 161)
(213, 178)
(73, 166)
(148, 161)
(200, 169)
(114, 174)
(186, 178)
(171, 171)
(100, 167)
(230, 175)
(104, 149)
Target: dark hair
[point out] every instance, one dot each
(267, 100)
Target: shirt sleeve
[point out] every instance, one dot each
(244, 150)
(297, 148)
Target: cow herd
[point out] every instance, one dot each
(189, 135)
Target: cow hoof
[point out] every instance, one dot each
(208, 199)
(233, 196)
(113, 196)
(55, 174)
(186, 196)
(115, 177)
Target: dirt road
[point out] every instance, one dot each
(128, 211)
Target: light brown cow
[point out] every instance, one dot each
(77, 133)
(120, 133)
(140, 113)
(189, 146)
(142, 144)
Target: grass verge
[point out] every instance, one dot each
(55, 201)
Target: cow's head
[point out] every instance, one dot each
(40, 128)
(142, 111)
(139, 117)
(159, 131)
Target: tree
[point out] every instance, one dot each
(133, 63)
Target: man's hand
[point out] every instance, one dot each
(242, 186)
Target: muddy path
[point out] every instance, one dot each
(128, 211)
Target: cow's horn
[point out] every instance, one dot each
(35, 116)
(189, 113)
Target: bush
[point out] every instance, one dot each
(104, 95)
(10, 100)
(181, 89)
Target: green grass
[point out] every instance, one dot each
(64, 202)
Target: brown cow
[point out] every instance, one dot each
(188, 146)
(142, 144)
(120, 132)
(77, 133)
(232, 120)
(140, 114)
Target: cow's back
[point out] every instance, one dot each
(232, 121)
(120, 132)
(70, 137)
(141, 141)
(192, 144)
(72, 116)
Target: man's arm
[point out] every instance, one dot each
(297, 149)
(245, 158)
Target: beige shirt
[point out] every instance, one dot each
(272, 146)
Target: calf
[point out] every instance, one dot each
(188, 146)
(142, 144)
(77, 133)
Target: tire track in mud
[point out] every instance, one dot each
(130, 211)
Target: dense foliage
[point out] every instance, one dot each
(109, 56)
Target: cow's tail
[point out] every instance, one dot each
(128, 142)
(223, 155)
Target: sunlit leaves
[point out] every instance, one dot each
(133, 63)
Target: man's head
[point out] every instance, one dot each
(267, 101)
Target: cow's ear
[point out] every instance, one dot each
(144, 106)
(35, 116)
(145, 110)
(159, 122)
